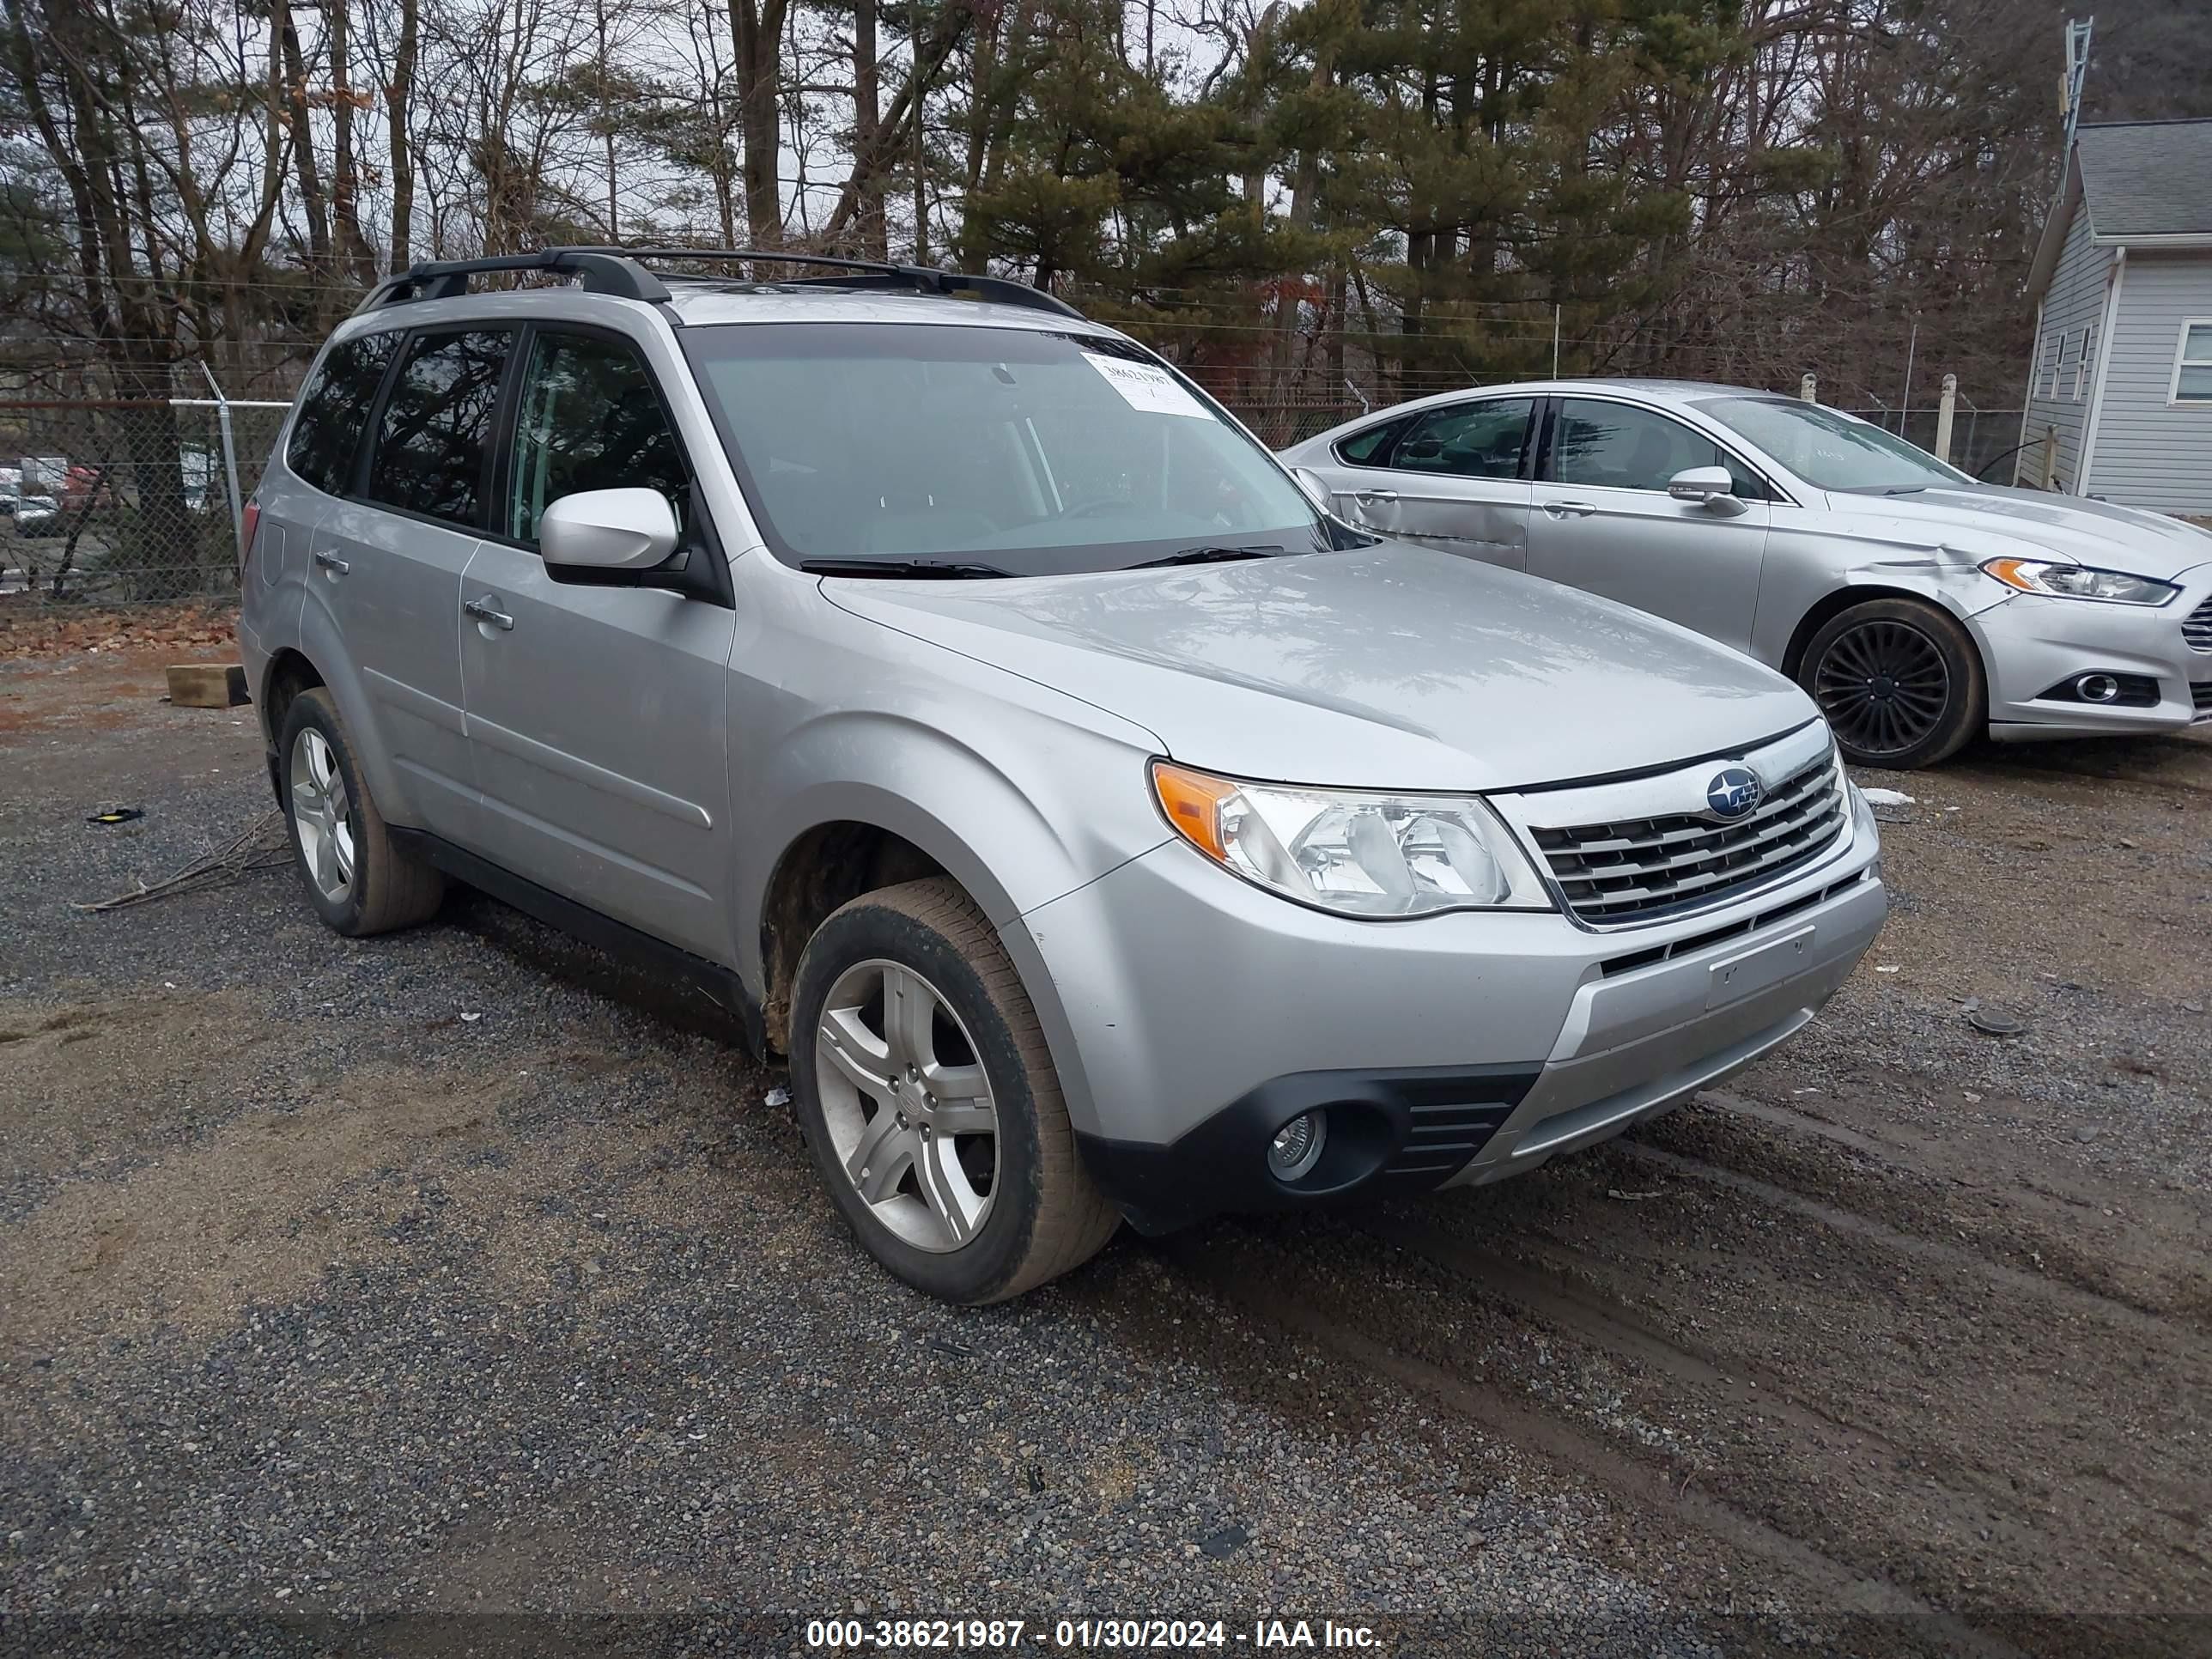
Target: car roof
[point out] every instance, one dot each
(1657, 388)
(707, 303)
(694, 302)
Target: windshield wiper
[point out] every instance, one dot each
(1209, 554)
(942, 569)
(1904, 489)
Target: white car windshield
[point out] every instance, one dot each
(1831, 451)
(1026, 452)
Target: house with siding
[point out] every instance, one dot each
(2119, 388)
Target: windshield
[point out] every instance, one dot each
(1029, 452)
(1831, 451)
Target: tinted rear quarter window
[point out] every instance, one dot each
(435, 431)
(1372, 447)
(334, 411)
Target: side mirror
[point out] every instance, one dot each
(1706, 486)
(1316, 487)
(631, 529)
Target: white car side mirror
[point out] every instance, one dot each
(628, 529)
(1706, 486)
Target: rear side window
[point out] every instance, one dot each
(591, 420)
(334, 411)
(1468, 441)
(436, 429)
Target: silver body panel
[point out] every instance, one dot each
(1760, 580)
(654, 758)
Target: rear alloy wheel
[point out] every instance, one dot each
(929, 1101)
(358, 881)
(1899, 682)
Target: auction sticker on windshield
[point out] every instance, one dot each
(1146, 387)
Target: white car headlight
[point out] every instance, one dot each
(2078, 582)
(1353, 851)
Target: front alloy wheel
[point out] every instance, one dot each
(908, 1105)
(1883, 687)
(929, 1100)
(1900, 681)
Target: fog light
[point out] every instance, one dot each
(2097, 688)
(1296, 1146)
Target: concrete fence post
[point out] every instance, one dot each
(1944, 409)
(1808, 388)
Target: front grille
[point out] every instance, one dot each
(2196, 628)
(2200, 693)
(1640, 869)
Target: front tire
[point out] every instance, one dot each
(1900, 681)
(929, 1102)
(358, 881)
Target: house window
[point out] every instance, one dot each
(2081, 363)
(2053, 346)
(2192, 363)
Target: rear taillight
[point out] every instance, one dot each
(249, 521)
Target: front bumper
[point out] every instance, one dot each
(2031, 643)
(1195, 1015)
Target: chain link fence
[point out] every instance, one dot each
(115, 503)
(127, 503)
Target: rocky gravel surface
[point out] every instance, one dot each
(460, 1292)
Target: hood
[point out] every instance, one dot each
(1991, 522)
(1388, 667)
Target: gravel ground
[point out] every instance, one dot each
(458, 1292)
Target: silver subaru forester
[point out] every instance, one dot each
(956, 694)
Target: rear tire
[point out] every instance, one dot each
(1900, 681)
(358, 881)
(929, 1102)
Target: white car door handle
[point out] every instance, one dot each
(486, 609)
(1375, 494)
(1571, 509)
(331, 563)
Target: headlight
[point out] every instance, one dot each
(1361, 853)
(2078, 582)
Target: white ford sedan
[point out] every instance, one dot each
(1918, 606)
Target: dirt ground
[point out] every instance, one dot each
(1902, 1341)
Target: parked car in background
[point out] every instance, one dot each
(1919, 607)
(38, 515)
(979, 713)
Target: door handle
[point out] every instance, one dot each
(1375, 494)
(331, 563)
(1569, 509)
(486, 609)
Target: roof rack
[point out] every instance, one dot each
(601, 270)
(616, 270)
